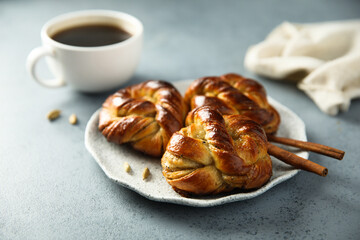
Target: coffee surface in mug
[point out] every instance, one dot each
(91, 35)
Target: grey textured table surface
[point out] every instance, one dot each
(51, 188)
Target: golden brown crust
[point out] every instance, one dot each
(216, 153)
(145, 115)
(234, 94)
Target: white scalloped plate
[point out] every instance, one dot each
(111, 158)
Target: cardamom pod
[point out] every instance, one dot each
(127, 167)
(146, 173)
(73, 119)
(54, 114)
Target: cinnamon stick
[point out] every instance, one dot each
(309, 146)
(296, 161)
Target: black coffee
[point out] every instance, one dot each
(91, 35)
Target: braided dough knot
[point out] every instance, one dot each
(145, 115)
(233, 94)
(216, 153)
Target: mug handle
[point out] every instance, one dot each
(33, 59)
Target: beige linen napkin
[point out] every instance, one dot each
(325, 56)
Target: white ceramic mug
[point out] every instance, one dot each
(89, 69)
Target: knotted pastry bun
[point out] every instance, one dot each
(216, 153)
(144, 115)
(233, 94)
